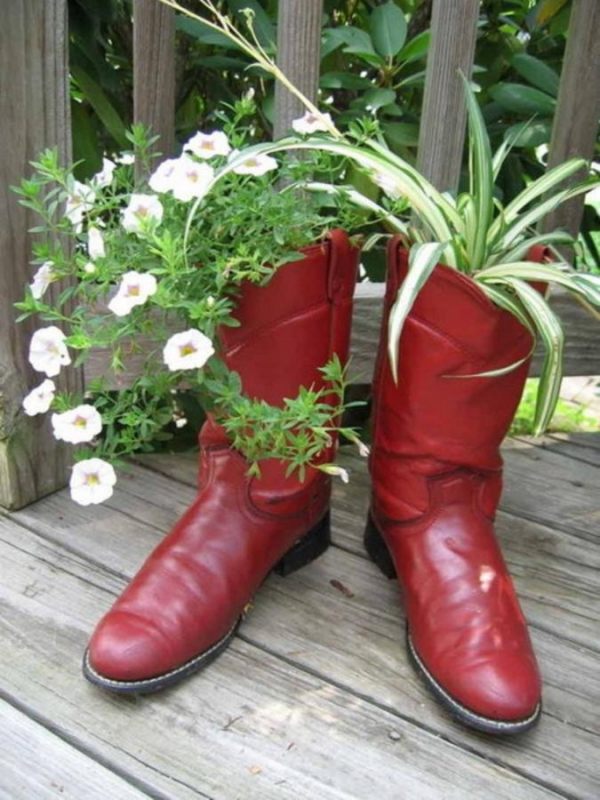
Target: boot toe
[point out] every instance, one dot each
(127, 648)
(502, 692)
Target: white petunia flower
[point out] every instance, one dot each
(256, 165)
(44, 276)
(190, 179)
(311, 123)
(39, 400)
(81, 424)
(92, 481)
(188, 350)
(387, 184)
(126, 159)
(135, 288)
(80, 200)
(96, 247)
(142, 208)
(89, 268)
(48, 351)
(208, 145)
(104, 178)
(333, 469)
(161, 179)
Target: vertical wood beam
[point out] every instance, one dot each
(443, 119)
(575, 124)
(34, 109)
(298, 56)
(154, 70)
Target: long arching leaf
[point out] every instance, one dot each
(422, 261)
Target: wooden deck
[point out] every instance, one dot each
(315, 699)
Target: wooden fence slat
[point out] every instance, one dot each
(154, 70)
(442, 129)
(576, 119)
(34, 108)
(298, 56)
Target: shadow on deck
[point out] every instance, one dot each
(315, 699)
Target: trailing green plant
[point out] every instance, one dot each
(120, 270)
(472, 233)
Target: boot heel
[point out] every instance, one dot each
(311, 546)
(377, 549)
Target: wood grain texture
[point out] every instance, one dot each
(35, 115)
(443, 118)
(575, 124)
(35, 763)
(298, 56)
(356, 642)
(154, 70)
(254, 725)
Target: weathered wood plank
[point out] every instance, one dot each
(367, 641)
(581, 446)
(35, 763)
(35, 115)
(298, 56)
(443, 118)
(576, 118)
(251, 726)
(154, 70)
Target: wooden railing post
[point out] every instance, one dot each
(576, 119)
(34, 108)
(299, 56)
(154, 70)
(442, 131)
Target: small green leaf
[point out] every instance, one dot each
(388, 29)
(518, 99)
(537, 72)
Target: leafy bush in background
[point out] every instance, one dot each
(372, 63)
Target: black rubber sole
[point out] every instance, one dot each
(308, 548)
(380, 555)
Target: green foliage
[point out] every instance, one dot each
(568, 417)
(245, 229)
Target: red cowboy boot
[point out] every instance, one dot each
(436, 471)
(184, 605)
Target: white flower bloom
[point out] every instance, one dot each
(311, 123)
(141, 208)
(188, 350)
(39, 400)
(208, 145)
(256, 165)
(96, 247)
(161, 179)
(48, 351)
(126, 159)
(90, 268)
(190, 179)
(135, 288)
(77, 425)
(92, 481)
(388, 184)
(105, 176)
(80, 200)
(42, 279)
(333, 469)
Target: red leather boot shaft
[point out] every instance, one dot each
(190, 593)
(436, 472)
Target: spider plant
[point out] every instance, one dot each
(472, 232)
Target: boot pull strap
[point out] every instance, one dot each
(343, 266)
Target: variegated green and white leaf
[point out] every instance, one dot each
(422, 261)
(481, 177)
(520, 250)
(509, 302)
(549, 329)
(589, 286)
(507, 145)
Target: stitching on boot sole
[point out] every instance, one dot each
(467, 713)
(146, 682)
